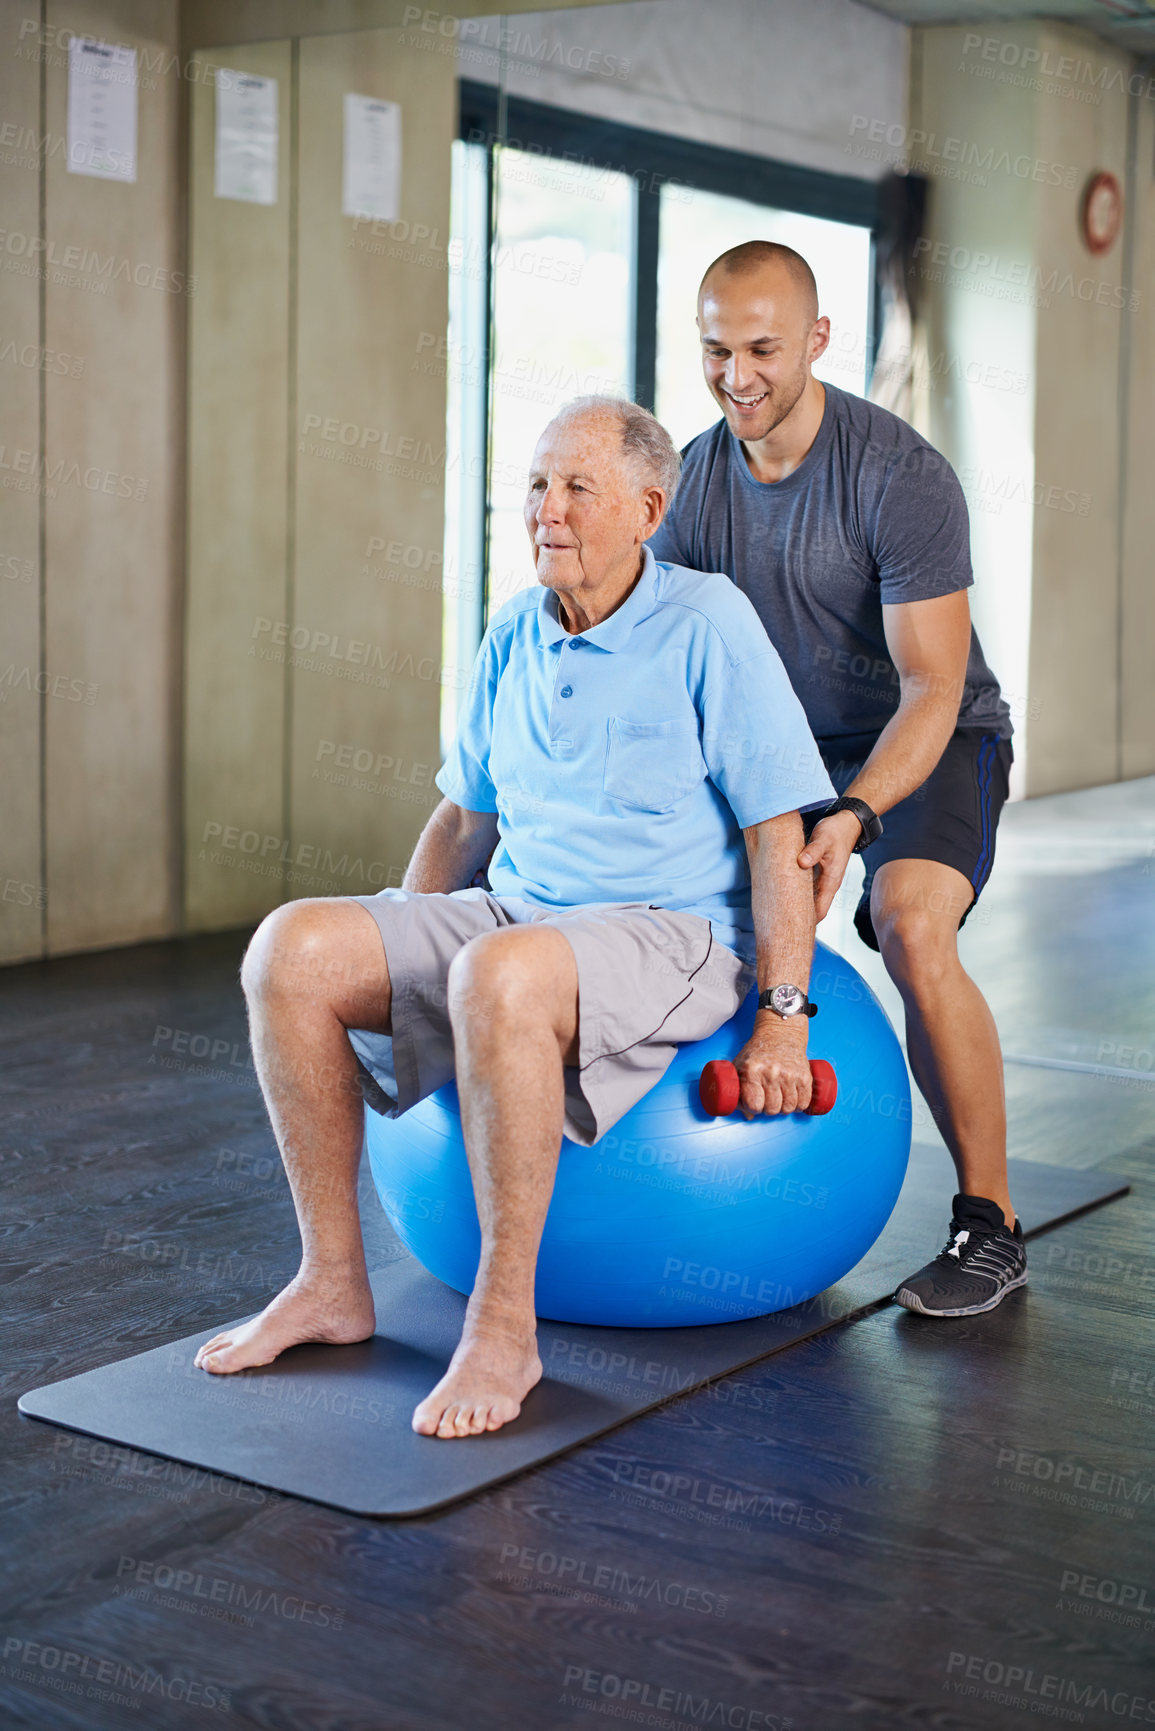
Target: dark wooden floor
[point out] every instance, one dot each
(899, 1524)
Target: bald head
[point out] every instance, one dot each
(761, 332)
(743, 266)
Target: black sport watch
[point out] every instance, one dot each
(786, 1001)
(870, 822)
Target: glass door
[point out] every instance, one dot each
(574, 263)
(559, 325)
(562, 324)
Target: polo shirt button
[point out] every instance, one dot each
(566, 691)
(576, 644)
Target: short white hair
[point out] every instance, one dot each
(646, 444)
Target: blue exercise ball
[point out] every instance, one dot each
(675, 1218)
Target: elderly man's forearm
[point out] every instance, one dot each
(782, 902)
(451, 850)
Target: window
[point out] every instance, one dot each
(576, 250)
(562, 325)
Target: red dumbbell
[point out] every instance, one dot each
(719, 1088)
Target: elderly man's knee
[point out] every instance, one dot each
(497, 974)
(289, 951)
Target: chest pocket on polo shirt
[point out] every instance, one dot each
(652, 765)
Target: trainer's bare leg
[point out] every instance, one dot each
(951, 1038)
(314, 969)
(513, 1003)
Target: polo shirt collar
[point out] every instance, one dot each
(612, 633)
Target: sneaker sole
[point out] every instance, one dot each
(911, 1301)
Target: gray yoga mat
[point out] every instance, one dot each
(332, 1423)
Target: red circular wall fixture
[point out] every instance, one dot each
(1101, 216)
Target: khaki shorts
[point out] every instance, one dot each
(648, 981)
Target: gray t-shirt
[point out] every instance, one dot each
(872, 514)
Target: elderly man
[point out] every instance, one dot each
(632, 749)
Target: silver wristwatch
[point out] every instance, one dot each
(786, 1001)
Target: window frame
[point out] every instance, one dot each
(489, 116)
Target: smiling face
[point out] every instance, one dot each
(758, 343)
(588, 511)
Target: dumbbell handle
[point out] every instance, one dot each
(719, 1088)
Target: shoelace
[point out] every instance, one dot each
(972, 1238)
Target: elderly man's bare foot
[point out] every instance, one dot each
(489, 1376)
(338, 1310)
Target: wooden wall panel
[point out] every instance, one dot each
(238, 515)
(978, 332)
(1074, 592)
(21, 381)
(115, 457)
(1060, 502)
(1136, 625)
(370, 427)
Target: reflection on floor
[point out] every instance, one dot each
(900, 1523)
(1061, 944)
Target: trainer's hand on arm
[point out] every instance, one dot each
(832, 841)
(929, 642)
(451, 849)
(772, 1066)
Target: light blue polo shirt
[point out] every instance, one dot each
(623, 763)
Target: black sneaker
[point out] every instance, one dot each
(981, 1264)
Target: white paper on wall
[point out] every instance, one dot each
(246, 137)
(101, 109)
(371, 184)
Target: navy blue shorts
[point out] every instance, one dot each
(951, 818)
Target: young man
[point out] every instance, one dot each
(850, 535)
